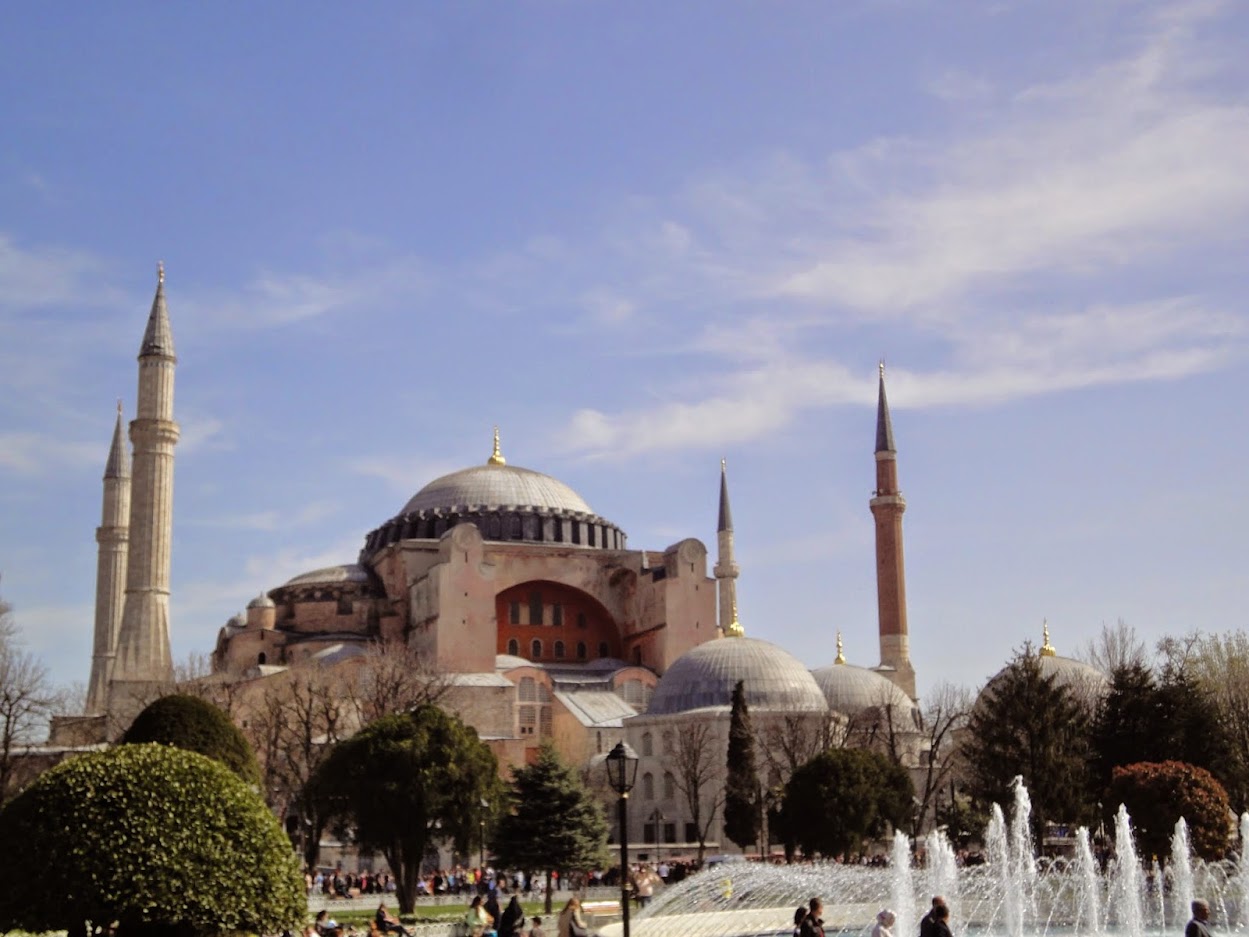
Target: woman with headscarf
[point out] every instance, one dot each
(571, 923)
(513, 919)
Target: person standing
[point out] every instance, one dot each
(885, 920)
(1199, 926)
(926, 923)
(813, 923)
(941, 921)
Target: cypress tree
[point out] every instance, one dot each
(741, 786)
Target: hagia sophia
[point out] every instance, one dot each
(547, 624)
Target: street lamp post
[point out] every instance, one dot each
(481, 826)
(658, 817)
(622, 770)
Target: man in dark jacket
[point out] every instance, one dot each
(813, 923)
(926, 923)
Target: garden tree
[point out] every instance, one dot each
(159, 840)
(400, 778)
(391, 677)
(1157, 794)
(841, 798)
(742, 797)
(26, 699)
(551, 821)
(292, 726)
(1219, 665)
(698, 774)
(1116, 646)
(1027, 724)
(195, 725)
(791, 741)
(945, 713)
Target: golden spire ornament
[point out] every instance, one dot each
(735, 629)
(1047, 649)
(496, 457)
(841, 658)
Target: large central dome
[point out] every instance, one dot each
(494, 485)
(506, 504)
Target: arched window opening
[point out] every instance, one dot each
(648, 744)
(513, 647)
(667, 737)
(603, 649)
(670, 786)
(559, 650)
(528, 690)
(581, 650)
(535, 650)
(648, 786)
(260, 660)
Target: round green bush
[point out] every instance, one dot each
(196, 725)
(159, 840)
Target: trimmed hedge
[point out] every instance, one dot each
(160, 840)
(195, 725)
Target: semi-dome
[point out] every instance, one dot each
(850, 690)
(350, 572)
(773, 679)
(493, 485)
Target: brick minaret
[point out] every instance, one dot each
(110, 570)
(143, 658)
(726, 569)
(888, 506)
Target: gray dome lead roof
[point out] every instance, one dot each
(493, 485)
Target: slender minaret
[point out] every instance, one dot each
(726, 569)
(888, 506)
(143, 657)
(110, 569)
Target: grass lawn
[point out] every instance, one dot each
(428, 914)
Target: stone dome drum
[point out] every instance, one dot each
(773, 679)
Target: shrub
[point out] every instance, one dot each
(195, 725)
(156, 839)
(1157, 794)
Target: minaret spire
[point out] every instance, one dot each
(143, 657)
(888, 506)
(726, 568)
(110, 574)
(496, 457)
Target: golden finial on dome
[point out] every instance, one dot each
(1047, 649)
(881, 364)
(160, 271)
(841, 658)
(496, 457)
(735, 629)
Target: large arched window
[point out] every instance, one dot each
(648, 786)
(559, 650)
(513, 647)
(670, 786)
(535, 649)
(667, 742)
(648, 744)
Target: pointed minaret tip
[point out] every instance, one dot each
(841, 658)
(158, 337)
(118, 465)
(496, 457)
(725, 521)
(884, 426)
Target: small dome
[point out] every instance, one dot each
(774, 680)
(850, 690)
(1084, 682)
(494, 485)
(350, 572)
(261, 601)
(237, 621)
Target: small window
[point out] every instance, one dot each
(535, 650)
(513, 612)
(581, 651)
(580, 619)
(691, 832)
(544, 722)
(637, 655)
(670, 786)
(603, 649)
(598, 742)
(667, 741)
(535, 608)
(260, 660)
(528, 690)
(648, 786)
(528, 720)
(513, 647)
(344, 606)
(557, 615)
(559, 650)
(670, 832)
(648, 745)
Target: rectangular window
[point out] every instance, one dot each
(513, 613)
(670, 832)
(691, 832)
(557, 615)
(535, 608)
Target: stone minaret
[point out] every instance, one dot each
(110, 570)
(726, 569)
(143, 657)
(888, 506)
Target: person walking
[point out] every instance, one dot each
(926, 923)
(941, 921)
(1199, 926)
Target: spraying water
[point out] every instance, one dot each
(1126, 880)
(902, 892)
(998, 843)
(942, 869)
(1243, 870)
(1088, 911)
(1181, 868)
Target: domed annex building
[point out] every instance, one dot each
(545, 623)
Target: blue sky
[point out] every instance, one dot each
(640, 237)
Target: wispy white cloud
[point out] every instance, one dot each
(38, 453)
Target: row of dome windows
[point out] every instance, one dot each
(558, 649)
(537, 613)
